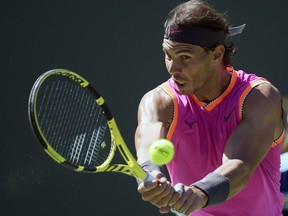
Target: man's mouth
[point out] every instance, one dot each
(179, 82)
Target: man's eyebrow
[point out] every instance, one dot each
(180, 50)
(183, 51)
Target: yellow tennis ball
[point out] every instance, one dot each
(161, 152)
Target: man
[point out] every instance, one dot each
(226, 125)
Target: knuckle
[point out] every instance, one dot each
(180, 202)
(162, 189)
(161, 204)
(167, 192)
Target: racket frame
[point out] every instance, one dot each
(132, 168)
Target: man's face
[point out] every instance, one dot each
(188, 65)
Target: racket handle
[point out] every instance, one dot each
(148, 177)
(177, 213)
(179, 190)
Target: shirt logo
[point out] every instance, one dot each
(226, 117)
(190, 123)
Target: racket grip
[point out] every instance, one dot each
(148, 177)
(177, 213)
(179, 190)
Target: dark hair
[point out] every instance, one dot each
(197, 13)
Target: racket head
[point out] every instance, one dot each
(71, 121)
(75, 126)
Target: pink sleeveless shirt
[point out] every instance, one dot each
(200, 131)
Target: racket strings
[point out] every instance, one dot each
(73, 124)
(96, 138)
(58, 110)
(67, 117)
(59, 123)
(78, 140)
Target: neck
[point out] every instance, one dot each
(214, 87)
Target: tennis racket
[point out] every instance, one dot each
(76, 128)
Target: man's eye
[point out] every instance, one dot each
(185, 57)
(168, 57)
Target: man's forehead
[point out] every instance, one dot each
(173, 45)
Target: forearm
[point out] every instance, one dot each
(224, 182)
(237, 173)
(146, 134)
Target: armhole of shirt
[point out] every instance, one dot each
(172, 127)
(242, 98)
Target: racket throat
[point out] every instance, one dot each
(120, 168)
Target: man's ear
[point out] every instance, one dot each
(218, 53)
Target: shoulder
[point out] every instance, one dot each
(157, 105)
(158, 97)
(264, 97)
(265, 92)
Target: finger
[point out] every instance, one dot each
(149, 185)
(157, 193)
(164, 210)
(178, 204)
(174, 199)
(158, 175)
(178, 191)
(187, 207)
(187, 203)
(192, 204)
(163, 199)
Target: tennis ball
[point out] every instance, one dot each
(161, 152)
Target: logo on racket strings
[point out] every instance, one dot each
(74, 77)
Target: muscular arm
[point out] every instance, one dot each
(154, 117)
(251, 141)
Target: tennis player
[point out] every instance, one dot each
(226, 124)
